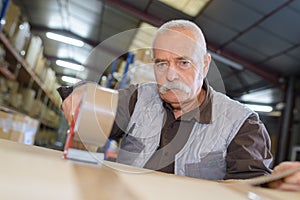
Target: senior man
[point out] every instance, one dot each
(180, 124)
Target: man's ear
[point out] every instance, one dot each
(207, 59)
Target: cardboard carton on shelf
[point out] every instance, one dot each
(21, 36)
(28, 98)
(30, 131)
(12, 86)
(36, 108)
(11, 19)
(16, 100)
(43, 74)
(33, 51)
(17, 129)
(23, 129)
(50, 79)
(40, 64)
(5, 124)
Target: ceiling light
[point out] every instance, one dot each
(260, 108)
(64, 39)
(70, 65)
(70, 79)
(190, 7)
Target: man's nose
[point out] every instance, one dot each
(172, 73)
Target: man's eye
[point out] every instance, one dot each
(161, 65)
(184, 64)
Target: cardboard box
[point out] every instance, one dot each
(28, 98)
(40, 64)
(36, 108)
(50, 79)
(5, 124)
(21, 36)
(16, 100)
(11, 19)
(17, 129)
(31, 127)
(33, 51)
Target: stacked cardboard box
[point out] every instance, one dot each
(39, 68)
(33, 51)
(18, 127)
(28, 98)
(11, 19)
(21, 37)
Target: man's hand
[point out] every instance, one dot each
(292, 182)
(71, 102)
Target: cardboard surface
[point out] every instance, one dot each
(29, 172)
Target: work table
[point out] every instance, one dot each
(31, 172)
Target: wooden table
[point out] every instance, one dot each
(30, 172)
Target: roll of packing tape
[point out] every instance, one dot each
(96, 115)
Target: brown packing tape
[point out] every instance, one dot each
(96, 115)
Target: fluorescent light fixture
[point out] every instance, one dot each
(70, 65)
(260, 108)
(190, 7)
(64, 39)
(70, 79)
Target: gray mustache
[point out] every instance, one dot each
(174, 85)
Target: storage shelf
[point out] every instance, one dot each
(21, 60)
(7, 73)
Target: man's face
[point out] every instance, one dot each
(178, 67)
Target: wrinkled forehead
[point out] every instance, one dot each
(179, 43)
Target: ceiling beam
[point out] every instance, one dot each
(269, 75)
(135, 12)
(155, 21)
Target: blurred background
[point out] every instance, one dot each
(48, 43)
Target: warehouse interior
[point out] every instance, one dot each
(255, 47)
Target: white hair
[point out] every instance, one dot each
(182, 25)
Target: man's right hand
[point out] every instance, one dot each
(71, 102)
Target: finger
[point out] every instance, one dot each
(285, 166)
(66, 107)
(289, 187)
(293, 179)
